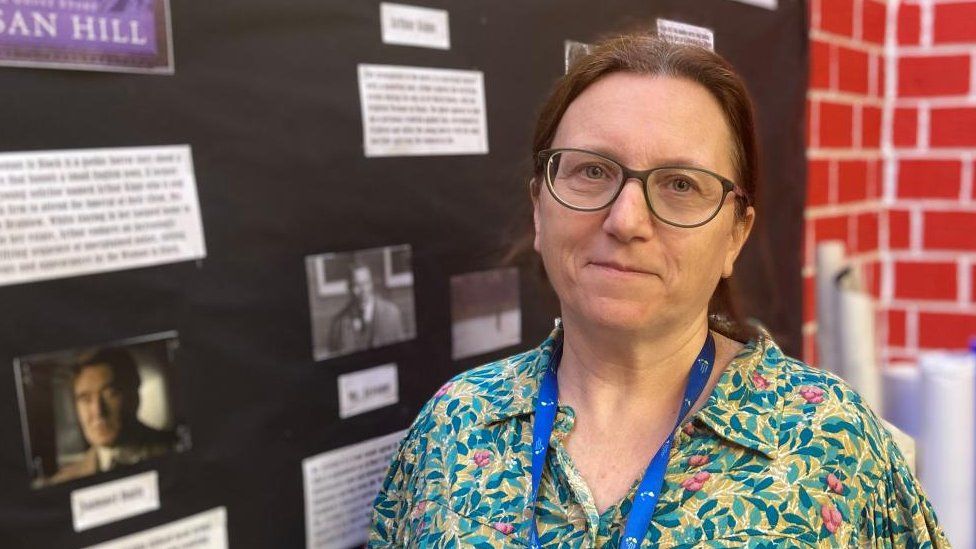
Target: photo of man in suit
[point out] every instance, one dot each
(368, 320)
(105, 389)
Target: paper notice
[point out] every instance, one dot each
(77, 212)
(115, 500)
(683, 33)
(485, 312)
(768, 4)
(573, 50)
(340, 487)
(416, 111)
(405, 25)
(368, 389)
(206, 530)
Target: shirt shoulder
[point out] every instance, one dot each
(828, 426)
(837, 415)
(488, 393)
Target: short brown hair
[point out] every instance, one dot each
(650, 55)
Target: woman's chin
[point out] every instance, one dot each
(623, 315)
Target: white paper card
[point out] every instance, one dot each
(573, 50)
(683, 33)
(340, 487)
(115, 500)
(76, 212)
(768, 4)
(405, 25)
(367, 390)
(417, 111)
(206, 530)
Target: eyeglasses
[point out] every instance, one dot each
(677, 195)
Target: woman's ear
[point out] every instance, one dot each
(741, 228)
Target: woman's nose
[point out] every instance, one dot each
(629, 216)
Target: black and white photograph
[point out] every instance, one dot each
(485, 312)
(360, 300)
(92, 410)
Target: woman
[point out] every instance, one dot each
(647, 419)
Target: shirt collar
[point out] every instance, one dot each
(744, 407)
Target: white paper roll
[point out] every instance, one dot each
(902, 392)
(947, 450)
(830, 261)
(857, 362)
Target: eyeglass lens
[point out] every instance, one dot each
(683, 196)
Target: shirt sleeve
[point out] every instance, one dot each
(898, 513)
(392, 502)
(395, 501)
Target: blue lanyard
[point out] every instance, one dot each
(649, 489)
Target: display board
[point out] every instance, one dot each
(182, 255)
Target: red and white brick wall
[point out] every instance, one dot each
(845, 108)
(891, 147)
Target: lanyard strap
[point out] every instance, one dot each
(649, 489)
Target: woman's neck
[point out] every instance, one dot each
(612, 377)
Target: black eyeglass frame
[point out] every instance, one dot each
(728, 186)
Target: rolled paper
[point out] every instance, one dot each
(902, 392)
(855, 345)
(947, 450)
(830, 262)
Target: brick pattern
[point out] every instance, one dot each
(846, 107)
(892, 162)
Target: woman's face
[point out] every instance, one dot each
(622, 267)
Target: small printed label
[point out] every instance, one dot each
(768, 4)
(367, 390)
(573, 50)
(405, 25)
(206, 530)
(115, 500)
(683, 33)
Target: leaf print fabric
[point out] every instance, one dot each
(781, 455)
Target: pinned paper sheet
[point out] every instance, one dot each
(683, 33)
(76, 212)
(206, 530)
(417, 111)
(573, 50)
(768, 4)
(340, 487)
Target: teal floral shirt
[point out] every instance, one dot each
(781, 455)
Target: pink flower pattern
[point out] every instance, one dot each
(698, 460)
(443, 390)
(695, 483)
(834, 483)
(759, 381)
(482, 458)
(831, 517)
(504, 527)
(813, 395)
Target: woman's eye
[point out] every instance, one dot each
(681, 185)
(594, 172)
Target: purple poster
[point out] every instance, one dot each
(98, 35)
